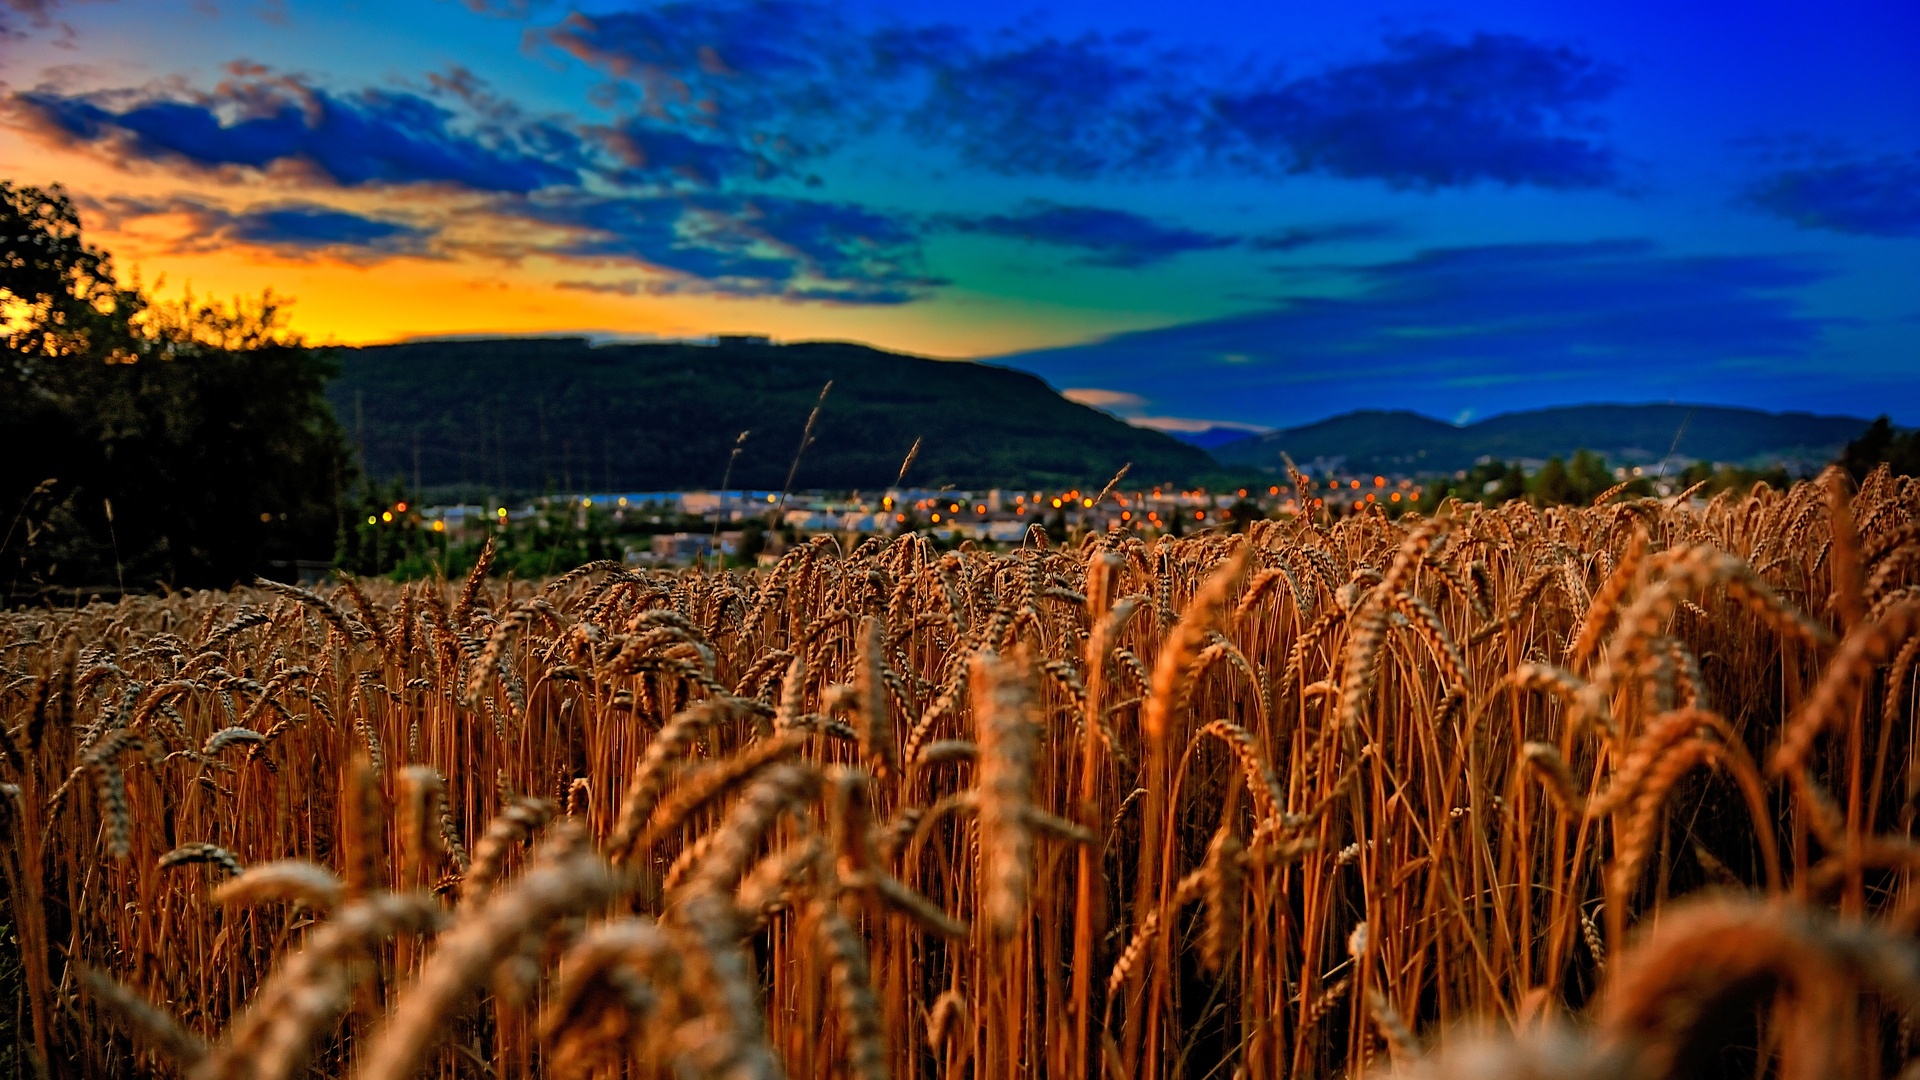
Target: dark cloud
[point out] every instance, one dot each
(1080, 109)
(644, 153)
(790, 78)
(757, 72)
(1304, 236)
(740, 245)
(1437, 113)
(370, 138)
(1868, 197)
(321, 227)
(1109, 237)
(289, 229)
(1486, 328)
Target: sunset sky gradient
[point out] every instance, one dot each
(1256, 214)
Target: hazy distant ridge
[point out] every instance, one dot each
(1407, 442)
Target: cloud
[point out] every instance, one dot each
(623, 287)
(292, 229)
(1110, 400)
(1081, 108)
(1488, 328)
(33, 14)
(1867, 197)
(731, 68)
(742, 245)
(1439, 113)
(791, 79)
(374, 137)
(1304, 236)
(645, 154)
(1109, 237)
(316, 227)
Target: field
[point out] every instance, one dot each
(1623, 790)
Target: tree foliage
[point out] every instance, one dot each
(185, 443)
(1881, 443)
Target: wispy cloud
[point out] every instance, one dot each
(18, 17)
(1116, 401)
(1305, 236)
(290, 229)
(755, 72)
(758, 245)
(1484, 328)
(1108, 237)
(1878, 196)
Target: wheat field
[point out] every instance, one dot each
(1616, 791)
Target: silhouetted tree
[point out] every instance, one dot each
(1590, 475)
(1553, 486)
(1881, 443)
(139, 443)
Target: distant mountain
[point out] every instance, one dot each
(1209, 438)
(536, 414)
(1407, 442)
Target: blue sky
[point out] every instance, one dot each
(1253, 214)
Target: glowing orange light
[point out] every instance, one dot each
(1199, 515)
(1396, 496)
(936, 519)
(981, 509)
(1088, 503)
(1273, 491)
(399, 508)
(1126, 515)
(386, 515)
(1356, 485)
(1056, 504)
(899, 517)
(439, 526)
(1379, 481)
(1369, 496)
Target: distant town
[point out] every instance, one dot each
(995, 516)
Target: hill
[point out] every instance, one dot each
(537, 414)
(1211, 437)
(1407, 442)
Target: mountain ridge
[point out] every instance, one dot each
(527, 414)
(1407, 442)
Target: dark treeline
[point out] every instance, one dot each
(150, 445)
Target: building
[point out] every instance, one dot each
(672, 547)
